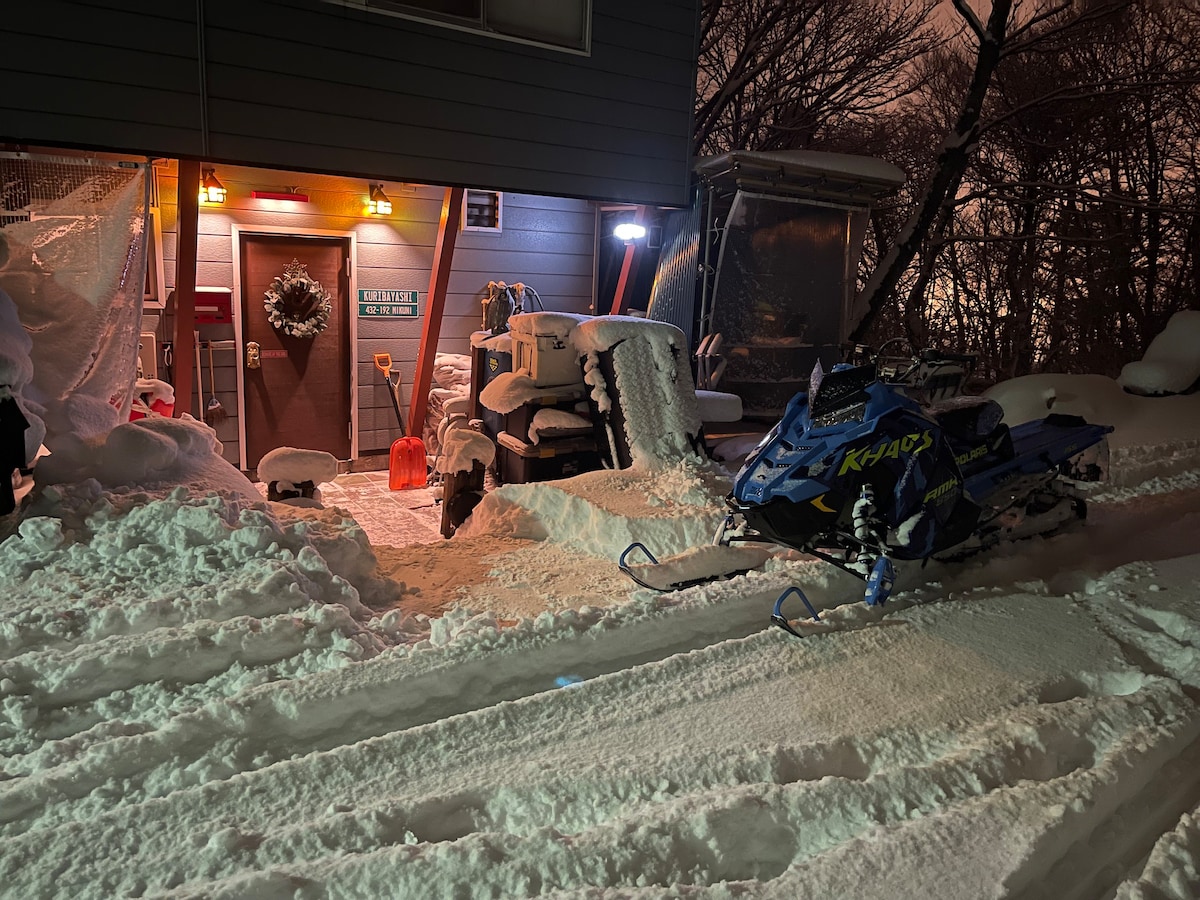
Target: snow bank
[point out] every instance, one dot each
(149, 453)
(601, 513)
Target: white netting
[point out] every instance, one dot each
(73, 260)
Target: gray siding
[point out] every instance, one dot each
(546, 242)
(312, 86)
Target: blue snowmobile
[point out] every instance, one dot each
(879, 462)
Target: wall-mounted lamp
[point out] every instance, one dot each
(379, 205)
(629, 231)
(211, 190)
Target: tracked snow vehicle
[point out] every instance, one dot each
(877, 463)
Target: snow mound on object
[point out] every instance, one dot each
(558, 324)
(651, 363)
(509, 391)
(718, 406)
(150, 453)
(292, 465)
(555, 420)
(1172, 361)
(1097, 398)
(462, 448)
(1155, 437)
(601, 513)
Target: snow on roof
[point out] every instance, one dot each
(295, 465)
(792, 171)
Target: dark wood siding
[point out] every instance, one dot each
(313, 86)
(122, 75)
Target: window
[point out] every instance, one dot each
(560, 24)
(482, 210)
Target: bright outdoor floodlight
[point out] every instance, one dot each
(629, 231)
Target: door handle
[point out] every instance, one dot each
(252, 355)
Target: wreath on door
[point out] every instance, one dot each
(296, 303)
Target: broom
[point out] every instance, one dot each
(215, 413)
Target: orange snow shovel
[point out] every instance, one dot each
(406, 462)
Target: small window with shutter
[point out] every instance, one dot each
(482, 210)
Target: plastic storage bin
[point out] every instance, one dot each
(518, 462)
(548, 358)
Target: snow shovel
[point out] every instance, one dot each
(406, 461)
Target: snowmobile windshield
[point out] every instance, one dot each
(842, 396)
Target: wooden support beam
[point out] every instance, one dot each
(435, 306)
(629, 267)
(184, 348)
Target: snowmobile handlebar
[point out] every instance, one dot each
(861, 354)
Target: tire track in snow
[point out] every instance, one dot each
(513, 817)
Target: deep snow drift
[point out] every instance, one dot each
(207, 695)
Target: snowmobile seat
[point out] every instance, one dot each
(967, 418)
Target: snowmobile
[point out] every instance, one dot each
(882, 461)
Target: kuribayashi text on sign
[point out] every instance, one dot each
(387, 304)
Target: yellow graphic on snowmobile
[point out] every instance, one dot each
(910, 444)
(972, 455)
(819, 503)
(942, 489)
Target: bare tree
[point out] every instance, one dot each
(1071, 240)
(793, 74)
(1001, 38)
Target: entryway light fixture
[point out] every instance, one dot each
(629, 231)
(211, 190)
(380, 205)
(292, 194)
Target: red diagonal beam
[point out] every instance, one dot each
(629, 266)
(435, 306)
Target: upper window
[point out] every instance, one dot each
(560, 24)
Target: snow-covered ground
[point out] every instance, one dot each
(206, 695)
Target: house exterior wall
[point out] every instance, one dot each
(313, 86)
(546, 242)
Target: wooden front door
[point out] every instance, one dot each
(299, 396)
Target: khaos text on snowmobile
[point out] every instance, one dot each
(878, 463)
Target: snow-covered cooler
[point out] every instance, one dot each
(542, 347)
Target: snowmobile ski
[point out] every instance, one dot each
(699, 565)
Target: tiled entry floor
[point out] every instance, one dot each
(390, 518)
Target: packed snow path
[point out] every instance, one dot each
(1022, 725)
